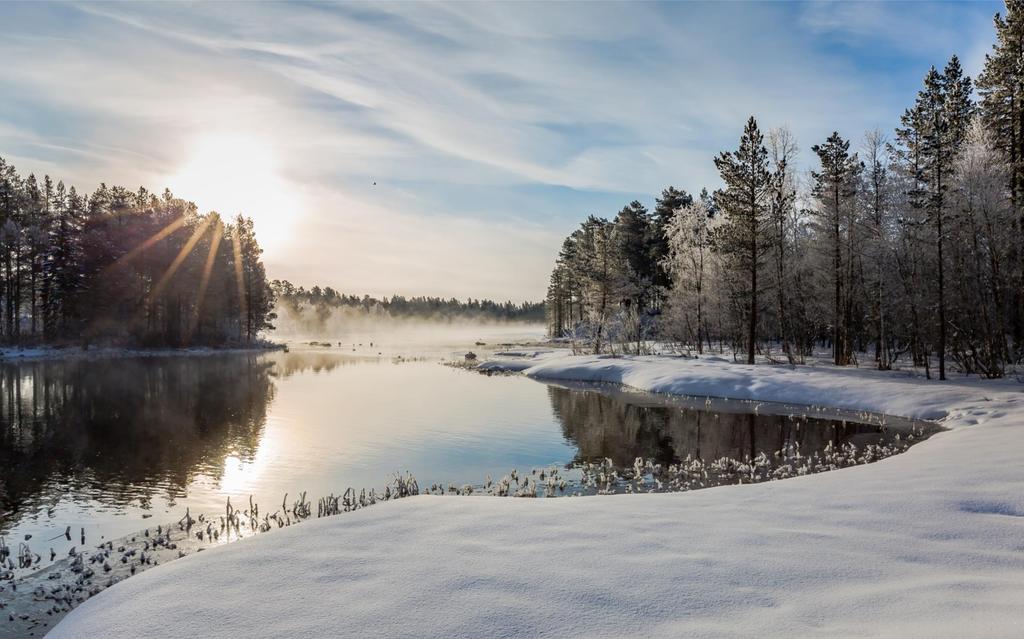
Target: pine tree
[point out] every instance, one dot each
(65, 262)
(744, 203)
(256, 299)
(555, 302)
(943, 109)
(10, 206)
(123, 266)
(600, 269)
(834, 188)
(568, 257)
(1001, 87)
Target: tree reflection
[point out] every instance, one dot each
(125, 428)
(291, 363)
(611, 426)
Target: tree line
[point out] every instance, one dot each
(295, 299)
(123, 267)
(907, 246)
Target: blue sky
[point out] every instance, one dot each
(490, 130)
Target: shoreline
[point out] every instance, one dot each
(719, 378)
(36, 602)
(12, 354)
(62, 591)
(834, 543)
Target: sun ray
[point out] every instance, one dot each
(218, 231)
(153, 239)
(182, 254)
(242, 301)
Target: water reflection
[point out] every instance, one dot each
(316, 361)
(104, 445)
(123, 430)
(606, 423)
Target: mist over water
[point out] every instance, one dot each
(368, 332)
(112, 446)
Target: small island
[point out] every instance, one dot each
(124, 268)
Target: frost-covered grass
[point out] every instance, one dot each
(925, 544)
(38, 600)
(35, 602)
(603, 477)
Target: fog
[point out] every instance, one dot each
(375, 331)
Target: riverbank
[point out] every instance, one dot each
(927, 543)
(39, 353)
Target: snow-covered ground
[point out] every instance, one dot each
(929, 543)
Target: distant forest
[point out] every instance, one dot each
(910, 247)
(324, 300)
(122, 267)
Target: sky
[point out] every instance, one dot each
(445, 149)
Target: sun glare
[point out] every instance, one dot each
(234, 174)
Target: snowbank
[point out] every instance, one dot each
(925, 544)
(821, 385)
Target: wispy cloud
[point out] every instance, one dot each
(489, 128)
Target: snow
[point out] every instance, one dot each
(713, 376)
(929, 543)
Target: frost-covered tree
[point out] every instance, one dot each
(876, 192)
(599, 267)
(782, 149)
(1001, 87)
(665, 207)
(933, 134)
(689, 262)
(982, 211)
(914, 254)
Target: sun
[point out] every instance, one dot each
(232, 174)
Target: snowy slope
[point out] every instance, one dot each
(925, 544)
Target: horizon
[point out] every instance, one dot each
(439, 150)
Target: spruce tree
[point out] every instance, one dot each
(671, 200)
(634, 239)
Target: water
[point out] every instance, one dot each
(116, 445)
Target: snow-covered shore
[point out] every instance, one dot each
(925, 544)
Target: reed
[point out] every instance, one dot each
(84, 573)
